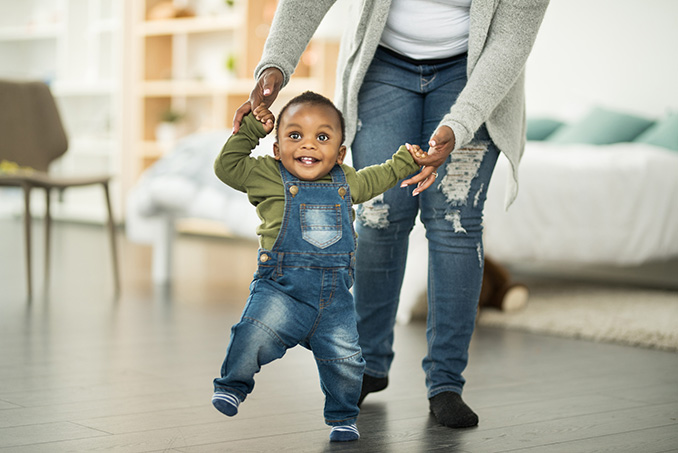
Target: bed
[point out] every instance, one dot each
(611, 204)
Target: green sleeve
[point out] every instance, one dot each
(234, 163)
(376, 179)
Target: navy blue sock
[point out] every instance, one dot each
(226, 403)
(344, 433)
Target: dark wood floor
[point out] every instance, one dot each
(81, 371)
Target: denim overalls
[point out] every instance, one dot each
(300, 295)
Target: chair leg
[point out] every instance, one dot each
(48, 234)
(114, 246)
(27, 238)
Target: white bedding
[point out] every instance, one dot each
(611, 204)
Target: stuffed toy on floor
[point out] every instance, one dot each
(499, 291)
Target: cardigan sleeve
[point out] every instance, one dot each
(293, 26)
(511, 34)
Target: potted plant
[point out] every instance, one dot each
(170, 127)
(230, 64)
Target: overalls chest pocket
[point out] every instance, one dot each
(321, 224)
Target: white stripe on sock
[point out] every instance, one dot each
(351, 428)
(227, 397)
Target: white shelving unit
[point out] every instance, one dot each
(182, 65)
(76, 47)
(114, 71)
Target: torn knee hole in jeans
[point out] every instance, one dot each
(476, 197)
(456, 184)
(374, 213)
(455, 218)
(463, 167)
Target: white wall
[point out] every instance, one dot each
(616, 53)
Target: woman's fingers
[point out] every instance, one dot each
(423, 179)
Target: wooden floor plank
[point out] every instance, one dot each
(661, 439)
(81, 371)
(43, 434)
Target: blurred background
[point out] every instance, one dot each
(133, 78)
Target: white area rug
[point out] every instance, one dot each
(611, 313)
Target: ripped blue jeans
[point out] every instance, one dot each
(403, 102)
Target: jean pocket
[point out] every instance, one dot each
(321, 224)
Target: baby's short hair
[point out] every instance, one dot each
(310, 97)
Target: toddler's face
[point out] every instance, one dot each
(309, 141)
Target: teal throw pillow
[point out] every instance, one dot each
(602, 127)
(663, 133)
(541, 128)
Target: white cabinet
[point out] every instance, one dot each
(115, 71)
(75, 46)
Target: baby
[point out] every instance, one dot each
(300, 294)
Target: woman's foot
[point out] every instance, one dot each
(451, 411)
(371, 384)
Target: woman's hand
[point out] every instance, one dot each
(423, 180)
(441, 145)
(264, 93)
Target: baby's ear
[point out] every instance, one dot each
(341, 155)
(276, 151)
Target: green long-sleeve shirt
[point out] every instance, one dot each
(260, 177)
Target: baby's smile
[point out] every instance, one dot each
(307, 160)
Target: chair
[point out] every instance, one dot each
(32, 135)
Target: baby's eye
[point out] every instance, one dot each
(323, 137)
(295, 135)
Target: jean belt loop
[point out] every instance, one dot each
(279, 263)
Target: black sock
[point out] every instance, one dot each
(371, 384)
(451, 411)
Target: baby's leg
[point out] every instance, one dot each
(340, 366)
(268, 327)
(252, 346)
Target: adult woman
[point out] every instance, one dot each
(446, 72)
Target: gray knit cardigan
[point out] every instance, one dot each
(501, 36)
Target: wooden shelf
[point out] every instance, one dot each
(191, 25)
(195, 87)
(164, 88)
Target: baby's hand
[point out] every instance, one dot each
(417, 153)
(426, 176)
(263, 114)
